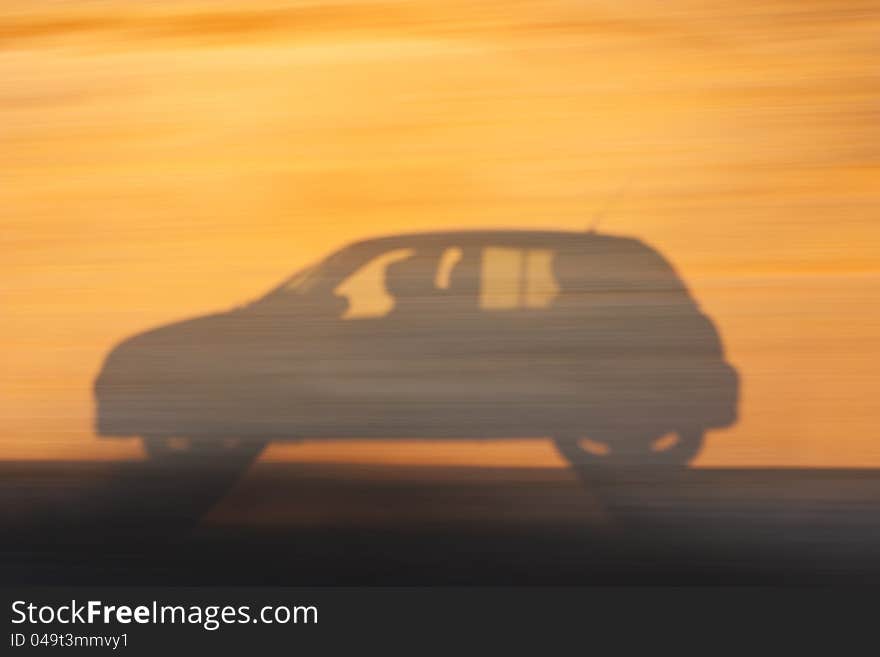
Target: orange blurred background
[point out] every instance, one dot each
(165, 159)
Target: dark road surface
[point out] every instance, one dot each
(329, 524)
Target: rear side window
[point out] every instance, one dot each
(514, 278)
(448, 261)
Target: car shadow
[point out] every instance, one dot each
(591, 339)
(334, 523)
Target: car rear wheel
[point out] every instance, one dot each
(674, 448)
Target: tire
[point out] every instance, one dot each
(205, 453)
(634, 451)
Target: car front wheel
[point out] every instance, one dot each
(202, 452)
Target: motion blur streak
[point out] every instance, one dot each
(168, 159)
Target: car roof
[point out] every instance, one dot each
(345, 259)
(523, 237)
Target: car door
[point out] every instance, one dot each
(518, 357)
(472, 358)
(384, 372)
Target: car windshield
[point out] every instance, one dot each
(300, 283)
(331, 268)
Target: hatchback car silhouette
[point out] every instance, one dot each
(588, 339)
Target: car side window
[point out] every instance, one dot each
(517, 278)
(450, 259)
(365, 286)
